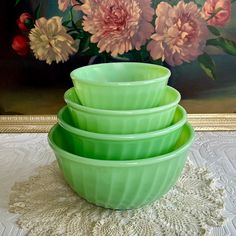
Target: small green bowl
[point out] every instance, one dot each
(120, 184)
(123, 146)
(123, 122)
(121, 85)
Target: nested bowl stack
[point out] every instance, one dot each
(122, 140)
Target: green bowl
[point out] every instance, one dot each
(120, 184)
(123, 146)
(121, 85)
(123, 122)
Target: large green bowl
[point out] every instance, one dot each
(123, 146)
(123, 122)
(120, 86)
(120, 184)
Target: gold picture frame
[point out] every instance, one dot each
(23, 75)
(43, 123)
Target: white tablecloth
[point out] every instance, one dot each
(21, 154)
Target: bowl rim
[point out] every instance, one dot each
(81, 107)
(115, 84)
(122, 137)
(120, 163)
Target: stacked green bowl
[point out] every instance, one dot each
(122, 140)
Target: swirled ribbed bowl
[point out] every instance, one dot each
(120, 184)
(121, 85)
(123, 122)
(123, 146)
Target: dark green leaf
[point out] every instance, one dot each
(86, 48)
(37, 12)
(72, 18)
(207, 65)
(93, 47)
(84, 44)
(144, 55)
(75, 35)
(65, 23)
(155, 3)
(79, 23)
(157, 62)
(213, 30)
(227, 45)
(200, 2)
(103, 57)
(121, 58)
(17, 2)
(29, 23)
(129, 56)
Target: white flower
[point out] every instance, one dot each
(50, 41)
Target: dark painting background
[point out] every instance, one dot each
(28, 86)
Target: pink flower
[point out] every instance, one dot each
(211, 6)
(180, 35)
(118, 26)
(64, 4)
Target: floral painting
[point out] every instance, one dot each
(196, 40)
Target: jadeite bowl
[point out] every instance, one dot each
(123, 122)
(120, 184)
(120, 86)
(122, 146)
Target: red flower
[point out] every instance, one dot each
(20, 44)
(25, 21)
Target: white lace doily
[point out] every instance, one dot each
(47, 206)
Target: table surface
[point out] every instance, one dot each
(21, 154)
